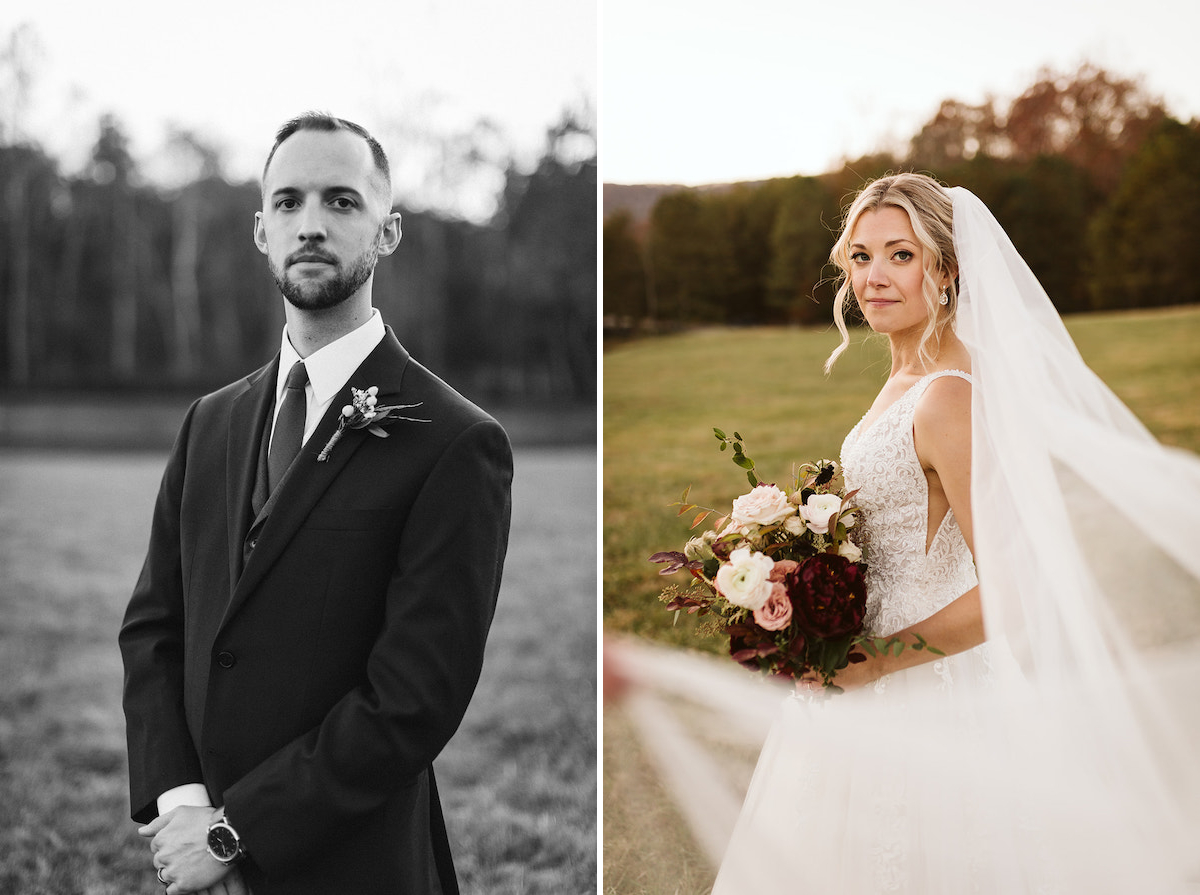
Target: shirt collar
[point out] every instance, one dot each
(331, 367)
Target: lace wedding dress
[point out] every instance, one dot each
(914, 784)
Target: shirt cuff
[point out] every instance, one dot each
(188, 794)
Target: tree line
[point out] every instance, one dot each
(109, 281)
(1096, 184)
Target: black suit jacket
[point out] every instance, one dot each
(309, 675)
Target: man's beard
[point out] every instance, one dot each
(328, 293)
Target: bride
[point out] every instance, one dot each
(1011, 507)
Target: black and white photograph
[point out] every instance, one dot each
(298, 448)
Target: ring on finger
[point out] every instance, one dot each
(160, 877)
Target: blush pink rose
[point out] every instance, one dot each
(776, 613)
(763, 505)
(782, 568)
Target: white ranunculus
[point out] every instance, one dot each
(793, 525)
(763, 505)
(850, 550)
(818, 510)
(746, 579)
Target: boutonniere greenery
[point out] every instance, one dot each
(365, 412)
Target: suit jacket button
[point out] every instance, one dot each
(252, 543)
(226, 659)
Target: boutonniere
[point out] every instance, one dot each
(365, 412)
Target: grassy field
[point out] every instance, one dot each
(661, 399)
(518, 780)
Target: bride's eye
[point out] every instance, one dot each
(859, 258)
(903, 255)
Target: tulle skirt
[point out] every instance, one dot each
(943, 778)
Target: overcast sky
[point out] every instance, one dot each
(233, 70)
(700, 91)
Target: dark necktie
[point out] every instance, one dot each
(289, 426)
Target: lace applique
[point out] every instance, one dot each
(904, 583)
(945, 673)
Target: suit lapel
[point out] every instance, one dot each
(307, 478)
(247, 420)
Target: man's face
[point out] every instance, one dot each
(325, 220)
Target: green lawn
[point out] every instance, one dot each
(661, 399)
(518, 781)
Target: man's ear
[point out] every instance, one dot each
(389, 234)
(260, 234)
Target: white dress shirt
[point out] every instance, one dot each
(329, 369)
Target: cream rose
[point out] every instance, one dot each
(763, 505)
(850, 550)
(745, 580)
(817, 511)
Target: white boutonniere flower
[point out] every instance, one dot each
(365, 412)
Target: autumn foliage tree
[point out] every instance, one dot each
(625, 298)
(1091, 179)
(1144, 242)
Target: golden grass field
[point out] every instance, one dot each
(662, 398)
(518, 780)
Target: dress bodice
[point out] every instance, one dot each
(904, 583)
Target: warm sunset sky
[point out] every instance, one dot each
(700, 91)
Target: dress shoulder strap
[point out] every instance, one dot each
(918, 390)
(938, 374)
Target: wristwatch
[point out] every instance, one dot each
(224, 844)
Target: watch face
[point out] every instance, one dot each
(223, 842)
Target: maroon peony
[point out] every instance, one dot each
(829, 596)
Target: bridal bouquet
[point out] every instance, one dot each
(781, 573)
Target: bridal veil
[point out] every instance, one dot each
(1087, 545)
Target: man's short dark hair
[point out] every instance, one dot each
(323, 121)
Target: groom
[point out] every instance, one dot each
(310, 621)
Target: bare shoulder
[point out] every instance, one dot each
(944, 411)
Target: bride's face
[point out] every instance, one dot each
(887, 270)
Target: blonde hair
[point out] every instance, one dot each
(931, 213)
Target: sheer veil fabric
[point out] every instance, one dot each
(1065, 761)
(1087, 545)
